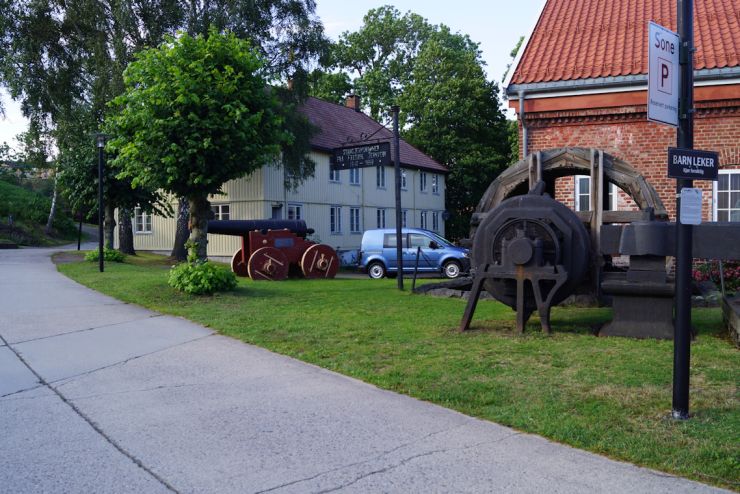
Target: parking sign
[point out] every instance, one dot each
(663, 75)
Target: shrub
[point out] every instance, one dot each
(709, 270)
(201, 278)
(110, 255)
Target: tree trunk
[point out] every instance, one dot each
(109, 224)
(125, 232)
(53, 210)
(200, 213)
(181, 233)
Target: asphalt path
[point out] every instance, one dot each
(97, 396)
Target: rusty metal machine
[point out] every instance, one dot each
(275, 249)
(530, 252)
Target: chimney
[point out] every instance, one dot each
(353, 101)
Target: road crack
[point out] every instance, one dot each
(91, 423)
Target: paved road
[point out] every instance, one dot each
(99, 396)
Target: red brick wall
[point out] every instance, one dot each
(624, 132)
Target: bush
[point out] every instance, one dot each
(709, 270)
(201, 278)
(110, 255)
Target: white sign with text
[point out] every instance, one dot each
(690, 213)
(663, 75)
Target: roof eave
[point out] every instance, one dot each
(626, 81)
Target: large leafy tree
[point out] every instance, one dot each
(290, 37)
(196, 112)
(380, 56)
(64, 60)
(449, 109)
(452, 113)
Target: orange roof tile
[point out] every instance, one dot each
(584, 39)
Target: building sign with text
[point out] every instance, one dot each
(692, 164)
(366, 155)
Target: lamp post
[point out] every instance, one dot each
(100, 140)
(399, 213)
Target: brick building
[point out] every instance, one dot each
(582, 78)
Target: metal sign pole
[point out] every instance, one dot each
(101, 256)
(399, 215)
(685, 138)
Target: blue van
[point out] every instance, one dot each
(378, 253)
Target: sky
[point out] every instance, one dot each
(495, 24)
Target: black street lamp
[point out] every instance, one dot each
(100, 140)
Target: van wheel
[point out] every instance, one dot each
(376, 270)
(451, 269)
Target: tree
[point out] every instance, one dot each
(64, 59)
(290, 37)
(196, 112)
(329, 86)
(381, 56)
(453, 114)
(513, 54)
(64, 62)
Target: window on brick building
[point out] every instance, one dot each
(726, 201)
(583, 194)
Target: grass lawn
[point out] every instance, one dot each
(607, 395)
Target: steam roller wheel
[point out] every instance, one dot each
(319, 261)
(239, 266)
(268, 263)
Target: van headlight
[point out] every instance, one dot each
(466, 254)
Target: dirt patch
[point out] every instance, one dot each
(67, 257)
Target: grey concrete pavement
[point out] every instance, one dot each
(100, 396)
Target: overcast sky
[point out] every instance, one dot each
(495, 24)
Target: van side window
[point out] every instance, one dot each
(389, 240)
(418, 240)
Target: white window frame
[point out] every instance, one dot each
(423, 220)
(435, 183)
(404, 183)
(334, 175)
(730, 190)
(142, 222)
(295, 211)
(335, 220)
(380, 177)
(380, 217)
(355, 221)
(218, 211)
(613, 192)
(422, 181)
(355, 176)
(435, 221)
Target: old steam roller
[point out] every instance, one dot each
(531, 252)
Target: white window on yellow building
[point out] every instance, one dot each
(354, 220)
(380, 216)
(220, 211)
(335, 219)
(295, 212)
(142, 221)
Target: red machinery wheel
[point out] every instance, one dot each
(268, 263)
(320, 261)
(239, 266)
